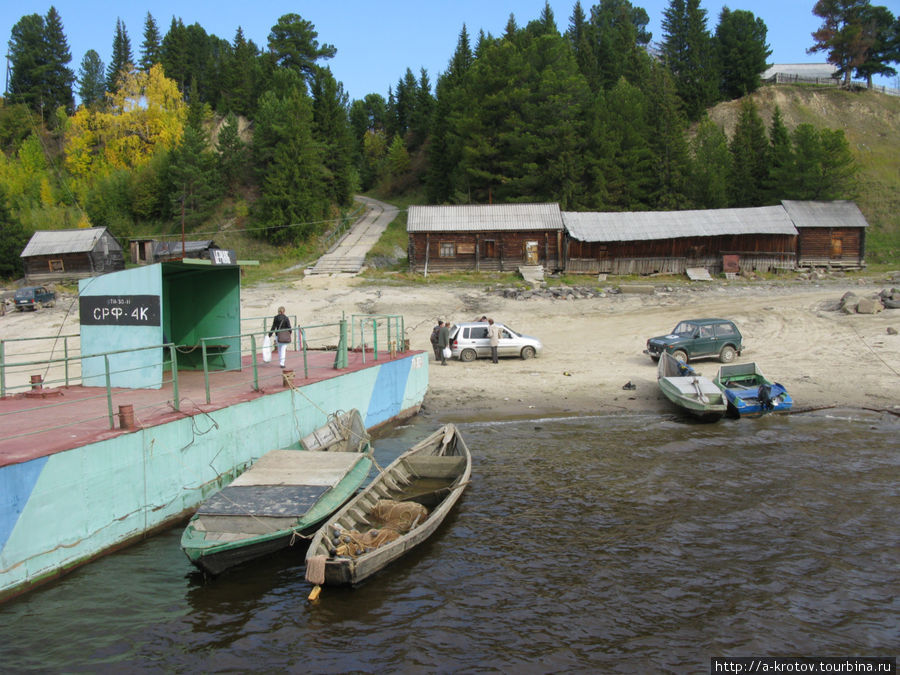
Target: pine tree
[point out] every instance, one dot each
(193, 169)
(58, 78)
(122, 60)
(444, 151)
(233, 154)
(151, 49)
(38, 54)
(291, 205)
(807, 153)
(687, 50)
(293, 41)
(174, 53)
(242, 76)
(579, 36)
(26, 51)
(667, 142)
(824, 166)
(332, 131)
(631, 170)
(749, 158)
(91, 79)
(192, 174)
(781, 161)
(742, 51)
(708, 184)
(839, 168)
(618, 35)
(857, 37)
(885, 47)
(420, 119)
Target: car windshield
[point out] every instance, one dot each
(513, 332)
(685, 328)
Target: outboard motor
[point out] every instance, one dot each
(764, 396)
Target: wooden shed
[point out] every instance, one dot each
(669, 242)
(58, 255)
(484, 237)
(831, 234)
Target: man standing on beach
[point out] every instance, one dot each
(494, 335)
(444, 340)
(434, 340)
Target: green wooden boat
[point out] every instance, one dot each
(282, 499)
(689, 391)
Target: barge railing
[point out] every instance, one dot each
(323, 348)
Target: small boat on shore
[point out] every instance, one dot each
(750, 393)
(691, 392)
(398, 510)
(282, 499)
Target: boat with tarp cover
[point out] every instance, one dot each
(282, 498)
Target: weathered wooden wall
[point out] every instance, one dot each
(482, 251)
(40, 269)
(673, 256)
(826, 246)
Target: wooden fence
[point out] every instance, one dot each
(789, 78)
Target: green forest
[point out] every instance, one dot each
(189, 130)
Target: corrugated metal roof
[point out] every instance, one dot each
(56, 242)
(808, 70)
(484, 218)
(825, 214)
(646, 225)
(167, 248)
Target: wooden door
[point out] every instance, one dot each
(531, 253)
(837, 247)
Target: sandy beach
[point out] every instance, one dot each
(593, 346)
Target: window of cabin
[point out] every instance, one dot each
(56, 266)
(447, 249)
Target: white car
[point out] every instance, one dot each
(469, 341)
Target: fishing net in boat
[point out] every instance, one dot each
(395, 518)
(400, 516)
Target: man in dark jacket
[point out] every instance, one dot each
(444, 340)
(434, 340)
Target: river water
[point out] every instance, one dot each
(591, 544)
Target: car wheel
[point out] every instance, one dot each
(727, 354)
(527, 353)
(655, 357)
(467, 355)
(680, 355)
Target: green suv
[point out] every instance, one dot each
(698, 338)
(32, 297)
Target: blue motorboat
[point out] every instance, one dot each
(750, 393)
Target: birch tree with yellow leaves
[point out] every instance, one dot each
(144, 116)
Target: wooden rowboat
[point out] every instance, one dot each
(282, 499)
(694, 393)
(398, 510)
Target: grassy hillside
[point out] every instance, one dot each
(871, 123)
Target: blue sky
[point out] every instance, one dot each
(377, 41)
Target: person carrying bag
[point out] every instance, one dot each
(281, 328)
